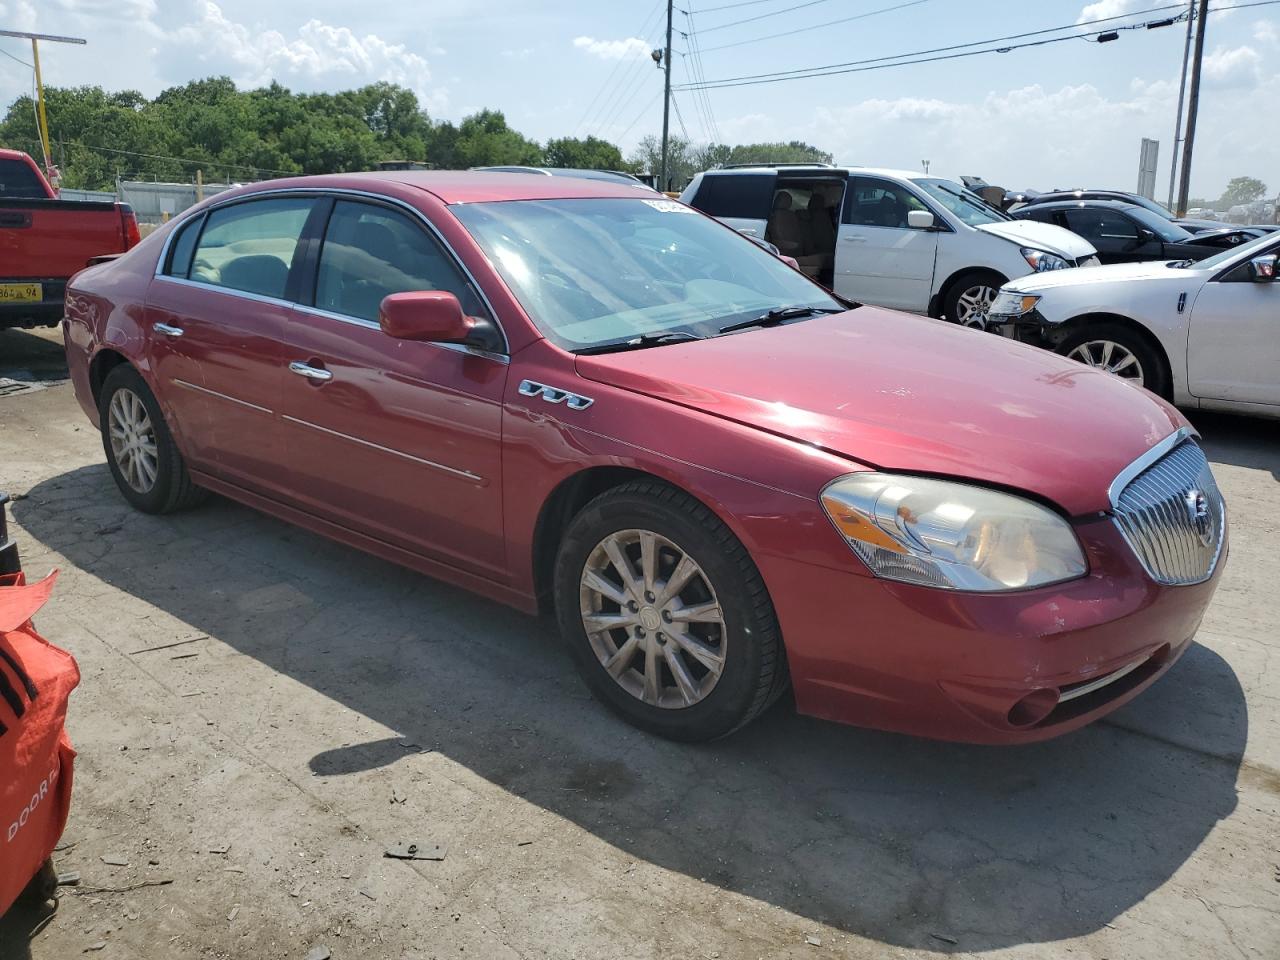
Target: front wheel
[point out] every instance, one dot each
(666, 615)
(1119, 351)
(969, 300)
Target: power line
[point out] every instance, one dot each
(644, 26)
(713, 130)
(763, 16)
(731, 6)
(817, 26)
(29, 66)
(835, 68)
(654, 99)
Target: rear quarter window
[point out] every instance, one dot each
(744, 195)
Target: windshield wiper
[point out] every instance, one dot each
(638, 343)
(776, 316)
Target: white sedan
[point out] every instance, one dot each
(1201, 334)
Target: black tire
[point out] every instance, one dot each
(172, 489)
(1154, 373)
(754, 672)
(951, 306)
(43, 886)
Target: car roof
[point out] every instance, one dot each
(836, 171)
(11, 154)
(1099, 204)
(466, 186)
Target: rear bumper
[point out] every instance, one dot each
(982, 668)
(44, 313)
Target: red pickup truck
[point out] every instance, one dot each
(44, 241)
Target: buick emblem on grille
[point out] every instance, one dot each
(1198, 513)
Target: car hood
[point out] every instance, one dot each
(1044, 236)
(1153, 270)
(900, 392)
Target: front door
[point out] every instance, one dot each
(1233, 351)
(217, 315)
(396, 439)
(1117, 238)
(879, 258)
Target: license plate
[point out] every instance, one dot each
(21, 292)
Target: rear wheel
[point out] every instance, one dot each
(1118, 350)
(141, 454)
(665, 614)
(969, 300)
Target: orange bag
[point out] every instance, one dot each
(36, 679)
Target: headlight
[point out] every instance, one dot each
(951, 535)
(1042, 260)
(1011, 303)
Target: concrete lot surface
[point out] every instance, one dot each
(322, 705)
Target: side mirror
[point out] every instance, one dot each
(1145, 235)
(1263, 269)
(920, 219)
(434, 316)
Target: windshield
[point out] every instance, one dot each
(968, 206)
(1240, 253)
(601, 271)
(1151, 205)
(1166, 230)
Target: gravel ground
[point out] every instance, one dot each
(321, 705)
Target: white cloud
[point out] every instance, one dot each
(1109, 8)
(1265, 31)
(628, 49)
(1234, 67)
(320, 55)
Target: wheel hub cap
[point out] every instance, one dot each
(133, 440)
(653, 619)
(1110, 356)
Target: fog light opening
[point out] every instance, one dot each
(1033, 708)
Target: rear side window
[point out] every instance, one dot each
(20, 181)
(745, 195)
(250, 246)
(1095, 225)
(370, 252)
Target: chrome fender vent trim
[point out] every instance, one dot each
(574, 401)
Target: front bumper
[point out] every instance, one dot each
(982, 668)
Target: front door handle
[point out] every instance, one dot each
(854, 239)
(303, 369)
(167, 330)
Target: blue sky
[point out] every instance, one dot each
(1064, 114)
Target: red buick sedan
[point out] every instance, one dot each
(581, 397)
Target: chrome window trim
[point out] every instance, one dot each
(465, 474)
(221, 396)
(229, 291)
(1125, 476)
(370, 325)
(318, 193)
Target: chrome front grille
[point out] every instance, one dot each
(1173, 515)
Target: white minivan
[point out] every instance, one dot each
(888, 237)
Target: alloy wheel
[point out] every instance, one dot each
(973, 305)
(653, 619)
(1110, 356)
(133, 440)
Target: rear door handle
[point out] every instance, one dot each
(167, 330)
(854, 239)
(303, 369)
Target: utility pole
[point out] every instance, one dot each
(42, 121)
(1182, 95)
(666, 99)
(1193, 108)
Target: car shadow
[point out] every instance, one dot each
(1228, 438)
(20, 925)
(911, 842)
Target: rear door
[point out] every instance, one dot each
(216, 314)
(741, 200)
(879, 258)
(1233, 349)
(397, 439)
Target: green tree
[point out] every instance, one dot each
(1243, 190)
(591, 153)
(485, 140)
(793, 151)
(647, 158)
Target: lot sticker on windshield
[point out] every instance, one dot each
(669, 206)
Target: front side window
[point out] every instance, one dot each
(1102, 226)
(370, 252)
(592, 272)
(880, 203)
(250, 246)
